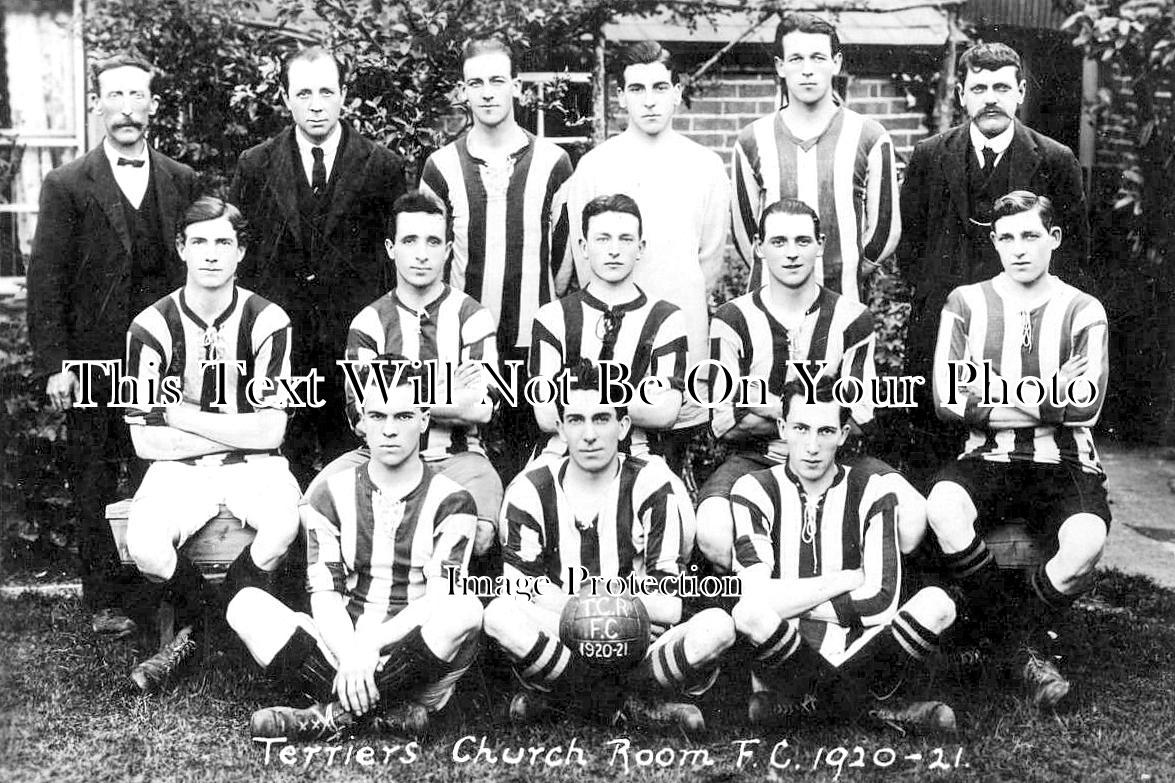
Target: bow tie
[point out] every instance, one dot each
(138, 164)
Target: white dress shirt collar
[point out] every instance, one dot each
(998, 143)
(132, 180)
(330, 148)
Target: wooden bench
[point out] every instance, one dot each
(1014, 547)
(212, 549)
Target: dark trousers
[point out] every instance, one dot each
(99, 443)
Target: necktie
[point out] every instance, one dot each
(138, 164)
(988, 158)
(318, 172)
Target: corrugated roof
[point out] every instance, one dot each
(1034, 14)
(924, 26)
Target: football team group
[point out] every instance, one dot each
(318, 253)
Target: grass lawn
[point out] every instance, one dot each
(68, 712)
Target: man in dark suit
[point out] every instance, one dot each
(951, 183)
(317, 197)
(104, 250)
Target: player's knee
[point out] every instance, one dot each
(715, 532)
(499, 617)
(279, 526)
(932, 608)
(247, 605)
(947, 509)
(714, 630)
(463, 615)
(1082, 540)
(754, 619)
(154, 555)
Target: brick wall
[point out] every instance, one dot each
(730, 102)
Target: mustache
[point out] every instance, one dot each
(129, 124)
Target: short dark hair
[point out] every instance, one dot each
(617, 202)
(822, 393)
(476, 47)
(584, 375)
(988, 57)
(213, 208)
(396, 369)
(125, 59)
(308, 54)
(417, 201)
(803, 22)
(644, 53)
(1023, 201)
(789, 206)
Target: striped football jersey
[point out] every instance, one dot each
(379, 552)
(750, 342)
(508, 228)
(452, 329)
(847, 174)
(169, 339)
(988, 322)
(637, 529)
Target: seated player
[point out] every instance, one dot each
(792, 318)
(1038, 460)
(216, 447)
(424, 319)
(381, 538)
(614, 515)
(612, 319)
(818, 555)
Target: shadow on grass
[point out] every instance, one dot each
(70, 713)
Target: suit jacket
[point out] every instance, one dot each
(940, 249)
(322, 284)
(81, 293)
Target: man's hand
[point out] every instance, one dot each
(1071, 370)
(61, 389)
(355, 681)
(468, 375)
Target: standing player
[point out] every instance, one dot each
(1038, 459)
(382, 538)
(613, 319)
(612, 515)
(817, 549)
(683, 193)
(318, 195)
(952, 182)
(102, 252)
(824, 154)
(499, 184)
(792, 318)
(424, 319)
(221, 444)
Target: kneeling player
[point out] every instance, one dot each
(381, 539)
(613, 515)
(216, 447)
(1038, 460)
(817, 549)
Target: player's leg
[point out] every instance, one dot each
(685, 659)
(886, 657)
(171, 505)
(287, 646)
(264, 495)
(1079, 512)
(966, 491)
(784, 667)
(475, 473)
(529, 635)
(715, 523)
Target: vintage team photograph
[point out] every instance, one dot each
(686, 390)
